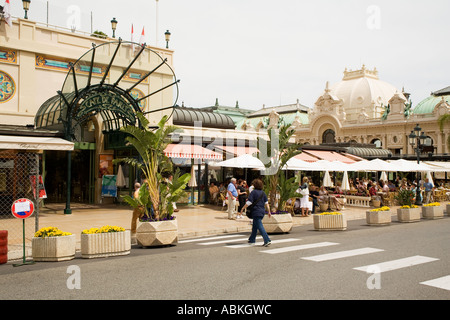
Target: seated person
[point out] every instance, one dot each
(213, 191)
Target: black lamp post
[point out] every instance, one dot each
(167, 34)
(26, 7)
(417, 137)
(114, 26)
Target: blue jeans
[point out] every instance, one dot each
(257, 225)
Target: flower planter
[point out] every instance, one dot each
(432, 212)
(330, 222)
(408, 215)
(53, 248)
(278, 223)
(379, 218)
(107, 244)
(157, 233)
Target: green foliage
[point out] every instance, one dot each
(405, 197)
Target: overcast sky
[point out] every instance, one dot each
(262, 52)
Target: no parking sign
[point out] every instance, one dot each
(22, 208)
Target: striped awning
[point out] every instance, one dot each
(330, 156)
(238, 150)
(191, 151)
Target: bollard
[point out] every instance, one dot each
(3, 246)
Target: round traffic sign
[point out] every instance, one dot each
(22, 208)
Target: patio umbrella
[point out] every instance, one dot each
(345, 184)
(384, 176)
(245, 161)
(120, 181)
(300, 165)
(429, 177)
(409, 166)
(327, 180)
(192, 183)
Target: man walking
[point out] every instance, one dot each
(232, 196)
(428, 186)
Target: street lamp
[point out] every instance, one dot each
(114, 26)
(26, 7)
(167, 34)
(417, 137)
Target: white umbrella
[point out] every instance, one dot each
(429, 177)
(300, 165)
(245, 161)
(120, 180)
(193, 181)
(373, 165)
(327, 180)
(384, 176)
(409, 166)
(345, 184)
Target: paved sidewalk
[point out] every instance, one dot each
(193, 221)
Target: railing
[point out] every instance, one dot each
(358, 201)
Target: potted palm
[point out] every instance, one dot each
(158, 225)
(432, 211)
(408, 211)
(279, 188)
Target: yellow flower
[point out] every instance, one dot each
(381, 209)
(330, 214)
(433, 204)
(104, 229)
(50, 232)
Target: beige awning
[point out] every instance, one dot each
(35, 143)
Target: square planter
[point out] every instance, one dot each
(432, 212)
(447, 209)
(278, 223)
(107, 244)
(157, 233)
(408, 215)
(330, 222)
(379, 218)
(53, 248)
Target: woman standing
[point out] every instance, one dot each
(260, 202)
(242, 196)
(304, 200)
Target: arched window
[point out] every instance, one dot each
(377, 143)
(329, 136)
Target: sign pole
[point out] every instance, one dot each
(22, 209)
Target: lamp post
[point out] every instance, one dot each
(26, 7)
(417, 138)
(167, 34)
(114, 26)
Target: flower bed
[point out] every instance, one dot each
(432, 211)
(378, 217)
(105, 242)
(52, 244)
(330, 221)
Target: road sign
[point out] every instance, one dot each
(22, 208)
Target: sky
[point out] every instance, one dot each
(271, 53)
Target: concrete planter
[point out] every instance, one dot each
(448, 209)
(330, 222)
(278, 223)
(432, 212)
(158, 233)
(99, 245)
(53, 248)
(408, 215)
(379, 218)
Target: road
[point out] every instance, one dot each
(395, 262)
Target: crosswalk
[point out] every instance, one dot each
(285, 245)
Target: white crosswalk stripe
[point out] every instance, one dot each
(341, 254)
(239, 246)
(210, 238)
(441, 283)
(300, 247)
(225, 241)
(396, 264)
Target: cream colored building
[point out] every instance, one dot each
(37, 61)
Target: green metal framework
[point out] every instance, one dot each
(85, 94)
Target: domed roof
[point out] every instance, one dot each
(363, 89)
(428, 105)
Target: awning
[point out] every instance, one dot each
(329, 155)
(238, 150)
(369, 152)
(306, 157)
(191, 151)
(35, 143)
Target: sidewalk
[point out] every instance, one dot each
(193, 221)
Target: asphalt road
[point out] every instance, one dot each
(297, 266)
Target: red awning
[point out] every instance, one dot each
(306, 157)
(329, 155)
(191, 151)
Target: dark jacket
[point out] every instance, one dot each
(259, 209)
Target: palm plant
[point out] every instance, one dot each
(154, 164)
(281, 150)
